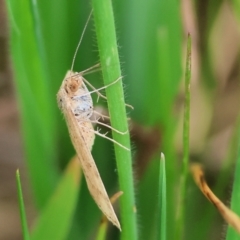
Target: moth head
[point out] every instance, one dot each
(73, 83)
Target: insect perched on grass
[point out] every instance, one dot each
(75, 102)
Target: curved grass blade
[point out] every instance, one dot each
(55, 219)
(228, 215)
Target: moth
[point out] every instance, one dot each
(75, 102)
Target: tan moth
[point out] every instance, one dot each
(75, 101)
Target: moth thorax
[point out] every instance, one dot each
(83, 110)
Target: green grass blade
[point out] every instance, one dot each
(186, 126)
(102, 231)
(56, 218)
(231, 233)
(107, 44)
(22, 208)
(153, 50)
(37, 113)
(162, 214)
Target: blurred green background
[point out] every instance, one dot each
(37, 49)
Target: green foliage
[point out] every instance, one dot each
(231, 233)
(25, 230)
(104, 21)
(186, 129)
(43, 37)
(55, 219)
(162, 214)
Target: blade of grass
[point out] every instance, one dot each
(231, 233)
(22, 208)
(37, 114)
(162, 214)
(55, 219)
(184, 174)
(153, 88)
(160, 43)
(102, 231)
(107, 44)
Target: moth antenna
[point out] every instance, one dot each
(80, 41)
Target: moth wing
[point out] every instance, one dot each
(93, 179)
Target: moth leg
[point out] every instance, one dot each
(97, 132)
(130, 106)
(91, 86)
(90, 70)
(105, 125)
(87, 71)
(104, 116)
(110, 139)
(101, 115)
(104, 87)
(99, 89)
(108, 126)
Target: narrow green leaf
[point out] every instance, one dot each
(102, 231)
(22, 208)
(107, 44)
(231, 233)
(109, 58)
(56, 218)
(154, 50)
(162, 214)
(34, 99)
(186, 126)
